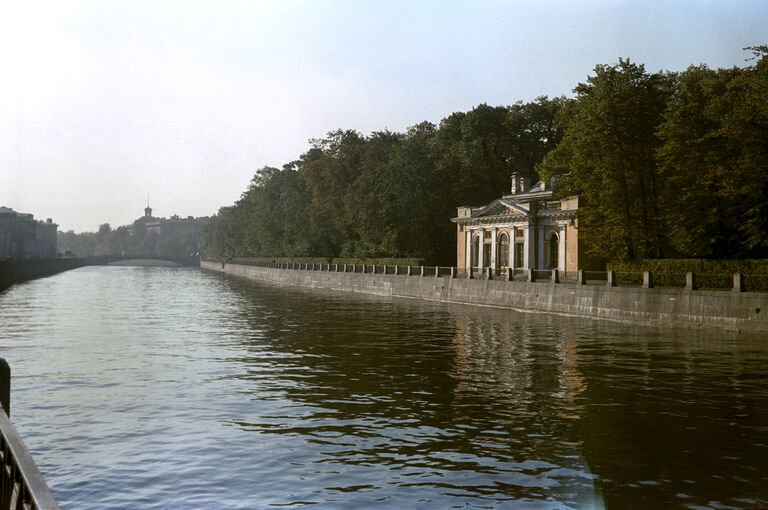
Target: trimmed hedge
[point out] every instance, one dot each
(329, 260)
(699, 266)
(710, 274)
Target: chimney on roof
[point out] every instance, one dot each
(515, 183)
(522, 185)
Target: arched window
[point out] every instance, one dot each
(475, 251)
(554, 250)
(502, 251)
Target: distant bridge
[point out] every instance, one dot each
(144, 260)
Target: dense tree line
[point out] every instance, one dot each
(387, 194)
(669, 164)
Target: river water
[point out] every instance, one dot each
(148, 387)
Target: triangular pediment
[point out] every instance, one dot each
(499, 207)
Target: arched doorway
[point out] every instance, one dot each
(502, 251)
(553, 251)
(475, 251)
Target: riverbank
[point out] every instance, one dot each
(727, 310)
(17, 271)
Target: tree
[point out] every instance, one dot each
(714, 157)
(702, 201)
(608, 155)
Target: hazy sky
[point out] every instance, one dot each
(103, 102)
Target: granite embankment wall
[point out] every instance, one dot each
(735, 311)
(17, 271)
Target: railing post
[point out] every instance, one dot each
(580, 280)
(555, 276)
(422, 271)
(531, 277)
(437, 271)
(647, 280)
(738, 282)
(510, 274)
(453, 272)
(690, 281)
(488, 273)
(469, 273)
(408, 271)
(611, 278)
(5, 386)
(397, 269)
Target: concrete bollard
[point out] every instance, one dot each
(437, 271)
(611, 278)
(738, 282)
(488, 273)
(421, 273)
(531, 277)
(580, 279)
(509, 274)
(408, 271)
(647, 280)
(555, 276)
(5, 386)
(690, 281)
(453, 272)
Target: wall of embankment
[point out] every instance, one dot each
(17, 271)
(733, 311)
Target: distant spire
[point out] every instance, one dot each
(148, 210)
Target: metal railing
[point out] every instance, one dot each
(21, 484)
(737, 282)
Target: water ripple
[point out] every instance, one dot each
(174, 388)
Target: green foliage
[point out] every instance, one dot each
(714, 158)
(326, 260)
(608, 155)
(700, 266)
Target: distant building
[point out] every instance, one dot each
(22, 237)
(166, 236)
(527, 229)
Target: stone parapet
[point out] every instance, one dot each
(735, 311)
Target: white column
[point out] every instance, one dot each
(493, 248)
(540, 243)
(481, 248)
(468, 252)
(561, 248)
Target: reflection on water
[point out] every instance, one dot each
(175, 388)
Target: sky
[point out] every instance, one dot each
(104, 103)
